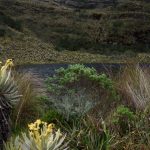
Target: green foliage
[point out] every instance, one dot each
(76, 29)
(2, 32)
(52, 116)
(127, 129)
(70, 90)
(138, 135)
(82, 134)
(72, 43)
(43, 101)
(16, 24)
(92, 140)
(123, 111)
(75, 73)
(118, 33)
(123, 117)
(122, 28)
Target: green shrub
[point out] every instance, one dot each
(43, 100)
(16, 24)
(2, 32)
(78, 89)
(137, 137)
(75, 73)
(52, 116)
(72, 43)
(123, 117)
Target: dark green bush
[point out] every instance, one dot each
(72, 43)
(13, 23)
(2, 32)
(123, 118)
(52, 116)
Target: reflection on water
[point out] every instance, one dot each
(45, 70)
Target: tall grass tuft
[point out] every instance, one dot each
(133, 118)
(28, 108)
(84, 134)
(135, 85)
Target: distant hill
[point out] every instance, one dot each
(83, 3)
(60, 33)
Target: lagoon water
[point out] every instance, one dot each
(45, 70)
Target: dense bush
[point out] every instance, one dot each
(123, 117)
(2, 32)
(77, 73)
(52, 116)
(72, 43)
(16, 24)
(78, 89)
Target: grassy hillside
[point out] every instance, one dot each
(39, 33)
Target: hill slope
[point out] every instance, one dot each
(49, 33)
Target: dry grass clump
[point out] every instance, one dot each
(28, 108)
(134, 84)
(134, 87)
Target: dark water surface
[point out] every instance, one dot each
(45, 70)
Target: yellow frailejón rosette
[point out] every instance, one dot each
(40, 130)
(8, 65)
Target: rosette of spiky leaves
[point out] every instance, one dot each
(8, 87)
(8, 97)
(41, 137)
